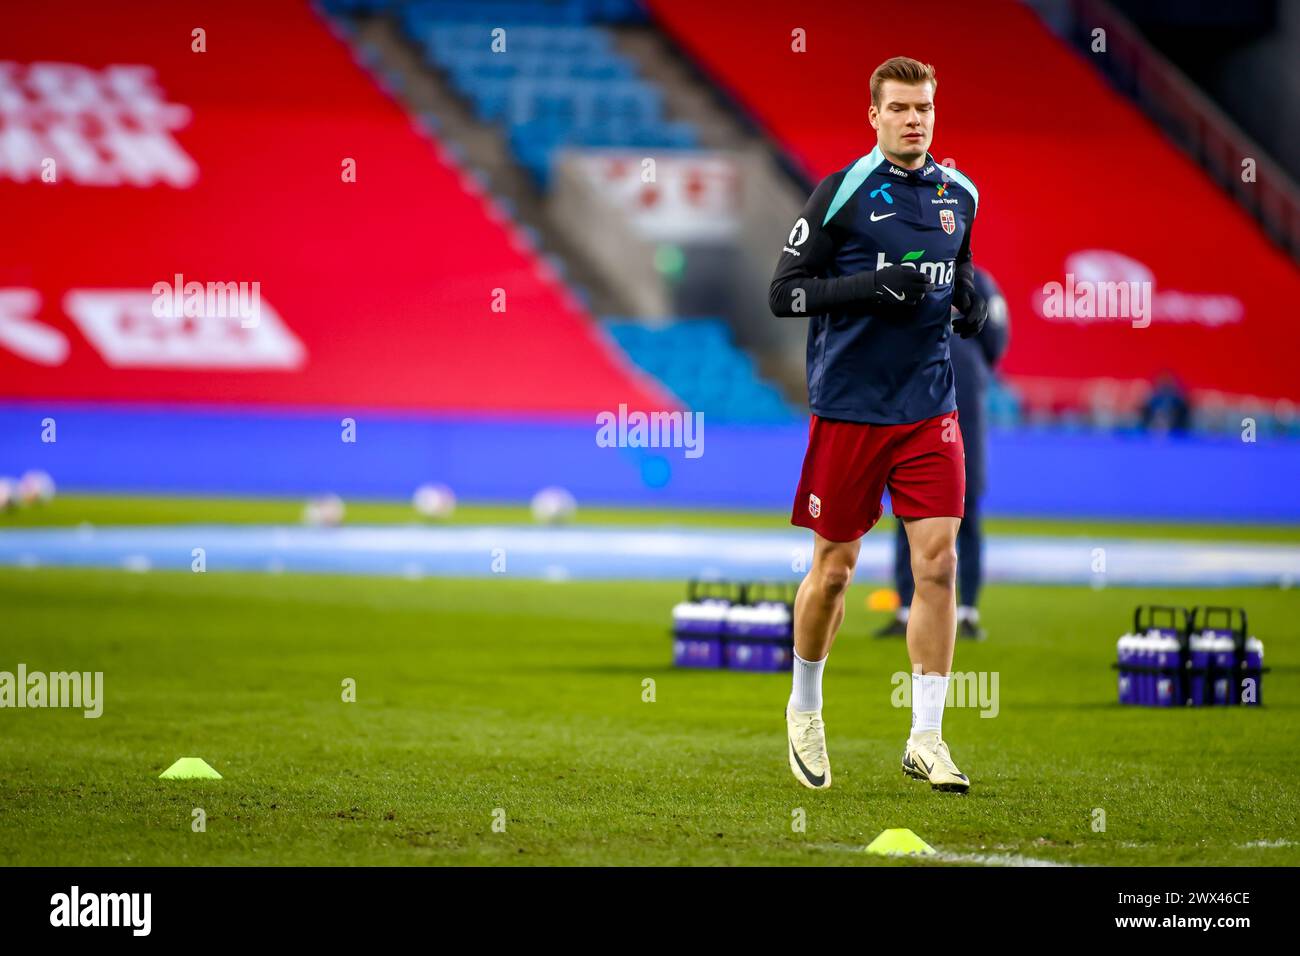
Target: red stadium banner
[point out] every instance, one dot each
(1119, 257)
(214, 203)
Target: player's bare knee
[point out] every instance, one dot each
(936, 569)
(834, 578)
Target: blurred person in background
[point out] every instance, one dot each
(973, 361)
(1168, 409)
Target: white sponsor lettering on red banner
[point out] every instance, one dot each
(1101, 285)
(125, 327)
(68, 123)
(25, 335)
(128, 330)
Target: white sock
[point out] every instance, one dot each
(928, 694)
(807, 694)
(967, 613)
(904, 613)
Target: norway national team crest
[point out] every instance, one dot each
(948, 221)
(814, 505)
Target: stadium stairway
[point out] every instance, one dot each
(476, 145)
(502, 119)
(691, 96)
(415, 49)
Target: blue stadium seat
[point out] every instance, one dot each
(698, 362)
(559, 82)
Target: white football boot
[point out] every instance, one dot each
(807, 746)
(926, 758)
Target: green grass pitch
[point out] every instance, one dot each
(522, 701)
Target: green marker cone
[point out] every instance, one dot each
(189, 768)
(899, 842)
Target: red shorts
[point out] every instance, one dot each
(849, 465)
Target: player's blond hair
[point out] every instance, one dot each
(903, 69)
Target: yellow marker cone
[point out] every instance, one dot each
(883, 599)
(189, 768)
(899, 842)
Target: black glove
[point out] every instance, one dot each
(898, 285)
(974, 312)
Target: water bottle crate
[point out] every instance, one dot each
(735, 625)
(1202, 657)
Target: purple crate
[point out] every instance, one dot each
(1124, 657)
(1155, 655)
(1224, 657)
(758, 637)
(698, 633)
(1146, 684)
(1159, 687)
(753, 654)
(1200, 646)
(1255, 668)
(697, 652)
(1167, 656)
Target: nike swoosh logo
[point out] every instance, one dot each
(813, 778)
(875, 218)
(923, 764)
(896, 295)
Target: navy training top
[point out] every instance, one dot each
(877, 363)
